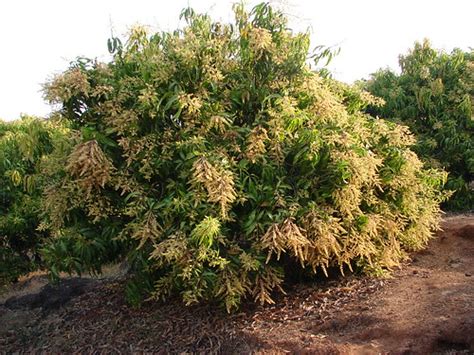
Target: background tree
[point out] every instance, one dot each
(434, 96)
(24, 145)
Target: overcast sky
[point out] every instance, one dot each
(40, 38)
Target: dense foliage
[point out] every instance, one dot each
(434, 96)
(218, 161)
(23, 146)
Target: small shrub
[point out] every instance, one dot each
(210, 154)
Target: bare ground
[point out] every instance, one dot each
(426, 308)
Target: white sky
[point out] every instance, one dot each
(40, 38)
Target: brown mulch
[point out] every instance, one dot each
(427, 307)
(101, 320)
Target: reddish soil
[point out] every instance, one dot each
(427, 307)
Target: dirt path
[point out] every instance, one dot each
(429, 306)
(426, 308)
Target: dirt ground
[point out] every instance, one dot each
(427, 307)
